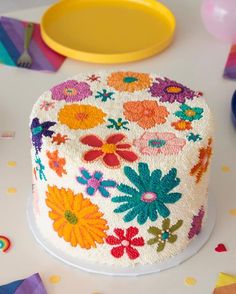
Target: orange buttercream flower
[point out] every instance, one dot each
(146, 113)
(129, 81)
(81, 116)
(56, 163)
(182, 125)
(75, 218)
(204, 159)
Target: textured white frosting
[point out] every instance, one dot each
(194, 192)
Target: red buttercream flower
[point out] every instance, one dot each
(125, 242)
(111, 151)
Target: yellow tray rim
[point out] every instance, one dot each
(112, 58)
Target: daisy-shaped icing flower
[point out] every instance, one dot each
(95, 182)
(125, 242)
(111, 150)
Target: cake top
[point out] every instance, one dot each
(120, 118)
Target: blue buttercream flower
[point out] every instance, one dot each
(149, 197)
(38, 130)
(95, 182)
(40, 168)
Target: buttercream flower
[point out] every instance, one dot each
(45, 105)
(189, 113)
(81, 116)
(95, 182)
(193, 137)
(125, 242)
(40, 169)
(75, 218)
(201, 167)
(71, 91)
(182, 125)
(104, 95)
(38, 130)
(156, 143)
(111, 150)
(59, 139)
(56, 163)
(129, 81)
(94, 78)
(196, 223)
(151, 195)
(165, 234)
(117, 124)
(145, 113)
(171, 91)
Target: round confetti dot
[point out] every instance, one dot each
(54, 279)
(11, 163)
(190, 281)
(232, 212)
(11, 190)
(225, 169)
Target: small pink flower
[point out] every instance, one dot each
(156, 143)
(71, 91)
(45, 105)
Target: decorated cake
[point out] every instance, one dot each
(120, 166)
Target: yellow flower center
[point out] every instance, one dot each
(81, 115)
(174, 89)
(182, 125)
(119, 124)
(190, 112)
(108, 148)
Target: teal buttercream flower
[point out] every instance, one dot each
(189, 113)
(149, 197)
(118, 124)
(193, 137)
(105, 95)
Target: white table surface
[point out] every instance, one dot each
(194, 58)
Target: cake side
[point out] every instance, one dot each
(138, 148)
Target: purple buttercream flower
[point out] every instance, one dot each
(71, 91)
(38, 130)
(196, 223)
(171, 91)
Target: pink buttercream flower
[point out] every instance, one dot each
(155, 143)
(71, 91)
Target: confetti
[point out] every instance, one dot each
(225, 284)
(7, 135)
(190, 281)
(11, 163)
(54, 279)
(232, 212)
(11, 190)
(5, 244)
(220, 248)
(225, 169)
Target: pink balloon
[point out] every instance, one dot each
(219, 18)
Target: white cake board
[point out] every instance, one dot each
(137, 270)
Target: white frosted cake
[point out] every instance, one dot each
(121, 166)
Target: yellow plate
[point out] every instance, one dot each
(108, 31)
